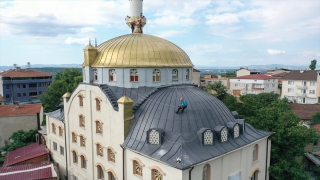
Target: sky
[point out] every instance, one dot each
(214, 33)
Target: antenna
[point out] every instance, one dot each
(95, 41)
(89, 41)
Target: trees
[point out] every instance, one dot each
(315, 118)
(65, 80)
(313, 64)
(20, 139)
(265, 111)
(219, 88)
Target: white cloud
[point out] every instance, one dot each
(71, 40)
(88, 29)
(236, 3)
(171, 33)
(207, 48)
(226, 18)
(275, 52)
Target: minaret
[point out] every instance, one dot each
(136, 20)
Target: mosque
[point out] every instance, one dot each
(120, 123)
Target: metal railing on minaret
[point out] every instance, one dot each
(136, 20)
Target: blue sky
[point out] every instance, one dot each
(214, 33)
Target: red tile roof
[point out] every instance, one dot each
(25, 153)
(24, 109)
(195, 70)
(23, 73)
(316, 127)
(305, 111)
(2, 99)
(254, 76)
(41, 170)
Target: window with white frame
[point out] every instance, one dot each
(224, 135)
(112, 75)
(236, 130)
(312, 83)
(187, 74)
(255, 153)
(312, 91)
(95, 72)
(134, 75)
(208, 137)
(290, 90)
(54, 146)
(290, 82)
(61, 150)
(156, 76)
(175, 75)
(154, 137)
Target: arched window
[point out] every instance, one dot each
(156, 75)
(175, 75)
(112, 75)
(53, 128)
(111, 155)
(255, 175)
(187, 74)
(134, 75)
(208, 137)
(83, 162)
(224, 135)
(82, 141)
(80, 100)
(100, 172)
(60, 131)
(154, 137)
(236, 131)
(95, 72)
(82, 122)
(156, 175)
(99, 150)
(137, 168)
(74, 157)
(99, 127)
(74, 137)
(111, 176)
(98, 104)
(255, 152)
(206, 173)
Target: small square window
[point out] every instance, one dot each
(24, 94)
(54, 146)
(7, 96)
(23, 85)
(61, 150)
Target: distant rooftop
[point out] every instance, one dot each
(12, 73)
(24, 109)
(305, 111)
(25, 153)
(310, 75)
(254, 76)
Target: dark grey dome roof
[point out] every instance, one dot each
(180, 139)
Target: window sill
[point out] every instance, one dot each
(134, 81)
(255, 162)
(111, 162)
(138, 176)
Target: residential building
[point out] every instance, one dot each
(246, 72)
(301, 86)
(120, 123)
(196, 77)
(18, 117)
(253, 84)
(305, 111)
(42, 170)
(24, 85)
(210, 79)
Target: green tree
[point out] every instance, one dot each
(219, 88)
(315, 118)
(313, 64)
(20, 139)
(65, 81)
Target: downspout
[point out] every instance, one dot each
(65, 144)
(123, 173)
(267, 159)
(190, 173)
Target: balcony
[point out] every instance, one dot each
(301, 94)
(302, 86)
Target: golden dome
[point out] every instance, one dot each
(140, 50)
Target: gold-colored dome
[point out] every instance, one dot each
(140, 50)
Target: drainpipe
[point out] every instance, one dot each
(190, 173)
(65, 148)
(123, 173)
(267, 159)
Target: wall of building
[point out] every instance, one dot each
(297, 95)
(11, 124)
(243, 72)
(251, 86)
(60, 140)
(196, 78)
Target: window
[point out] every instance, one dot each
(111, 176)
(60, 131)
(206, 173)
(7, 86)
(137, 168)
(312, 91)
(19, 94)
(111, 156)
(32, 86)
(291, 82)
(99, 150)
(61, 150)
(236, 131)
(95, 72)
(23, 85)
(156, 175)
(290, 90)
(82, 141)
(54, 146)
(237, 85)
(74, 177)
(39, 85)
(267, 85)
(53, 128)
(154, 137)
(82, 122)
(156, 75)
(312, 83)
(33, 94)
(315, 144)
(18, 86)
(255, 152)
(255, 175)
(24, 94)
(133, 75)
(187, 74)
(208, 137)
(100, 172)
(74, 137)
(80, 100)
(99, 127)
(7, 95)
(175, 75)
(40, 92)
(74, 157)
(98, 104)
(83, 162)
(224, 135)
(112, 75)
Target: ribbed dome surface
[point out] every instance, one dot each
(140, 50)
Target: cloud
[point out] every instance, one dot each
(207, 48)
(88, 29)
(171, 33)
(275, 52)
(81, 41)
(226, 18)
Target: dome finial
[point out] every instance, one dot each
(136, 20)
(89, 41)
(95, 42)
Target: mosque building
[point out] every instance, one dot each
(121, 122)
